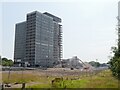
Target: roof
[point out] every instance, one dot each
(57, 19)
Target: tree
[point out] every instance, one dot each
(115, 62)
(0, 61)
(95, 64)
(7, 62)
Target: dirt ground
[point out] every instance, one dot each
(52, 72)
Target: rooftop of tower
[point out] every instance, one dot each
(57, 19)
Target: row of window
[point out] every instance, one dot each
(31, 24)
(31, 17)
(31, 28)
(42, 28)
(43, 17)
(30, 40)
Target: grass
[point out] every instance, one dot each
(27, 77)
(40, 86)
(103, 79)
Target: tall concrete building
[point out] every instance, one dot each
(38, 40)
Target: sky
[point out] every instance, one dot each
(89, 26)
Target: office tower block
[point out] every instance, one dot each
(41, 40)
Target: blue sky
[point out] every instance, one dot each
(88, 26)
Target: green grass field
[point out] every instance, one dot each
(103, 79)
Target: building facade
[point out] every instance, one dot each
(40, 40)
(20, 42)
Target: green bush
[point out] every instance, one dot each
(115, 63)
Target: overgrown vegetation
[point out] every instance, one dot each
(101, 80)
(23, 76)
(115, 60)
(7, 62)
